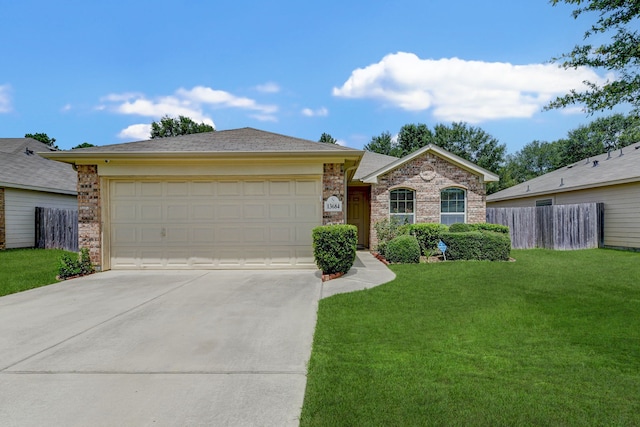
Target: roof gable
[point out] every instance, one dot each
(438, 151)
(22, 167)
(616, 167)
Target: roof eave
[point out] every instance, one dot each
(70, 157)
(565, 190)
(38, 188)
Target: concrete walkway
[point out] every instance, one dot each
(367, 272)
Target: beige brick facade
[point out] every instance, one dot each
(427, 205)
(333, 185)
(89, 215)
(3, 241)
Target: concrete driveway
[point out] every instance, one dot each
(158, 348)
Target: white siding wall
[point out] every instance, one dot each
(20, 211)
(621, 210)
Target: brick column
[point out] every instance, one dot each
(3, 241)
(89, 218)
(333, 185)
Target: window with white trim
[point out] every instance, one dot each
(402, 205)
(453, 206)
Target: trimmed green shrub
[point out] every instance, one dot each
(477, 245)
(403, 249)
(334, 247)
(69, 267)
(460, 227)
(497, 228)
(428, 235)
(386, 230)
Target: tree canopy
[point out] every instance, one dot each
(42, 137)
(83, 145)
(382, 144)
(328, 139)
(616, 50)
(171, 126)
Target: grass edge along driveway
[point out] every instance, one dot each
(23, 269)
(551, 339)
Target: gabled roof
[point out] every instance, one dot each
(22, 167)
(371, 162)
(616, 167)
(438, 151)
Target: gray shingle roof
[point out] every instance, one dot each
(22, 167)
(611, 168)
(234, 140)
(371, 162)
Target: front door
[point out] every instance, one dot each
(358, 213)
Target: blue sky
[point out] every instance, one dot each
(101, 72)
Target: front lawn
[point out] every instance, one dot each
(22, 269)
(551, 339)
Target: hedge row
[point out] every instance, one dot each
(477, 245)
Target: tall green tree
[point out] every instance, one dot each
(471, 143)
(327, 139)
(601, 135)
(171, 126)
(382, 144)
(616, 48)
(413, 137)
(42, 137)
(534, 159)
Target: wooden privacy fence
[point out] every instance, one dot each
(577, 226)
(57, 229)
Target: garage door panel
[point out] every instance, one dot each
(253, 223)
(177, 189)
(149, 234)
(150, 212)
(228, 211)
(229, 188)
(150, 189)
(177, 212)
(307, 187)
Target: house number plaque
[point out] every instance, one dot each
(332, 204)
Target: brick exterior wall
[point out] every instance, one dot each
(427, 204)
(3, 241)
(333, 185)
(89, 216)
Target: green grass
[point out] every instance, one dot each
(551, 339)
(22, 269)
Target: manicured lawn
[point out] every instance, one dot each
(551, 339)
(22, 269)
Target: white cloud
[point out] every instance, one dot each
(190, 103)
(206, 95)
(5, 99)
(341, 142)
(269, 87)
(459, 90)
(66, 107)
(264, 117)
(320, 112)
(136, 132)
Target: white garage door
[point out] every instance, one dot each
(248, 223)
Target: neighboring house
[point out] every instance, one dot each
(27, 181)
(612, 178)
(246, 198)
